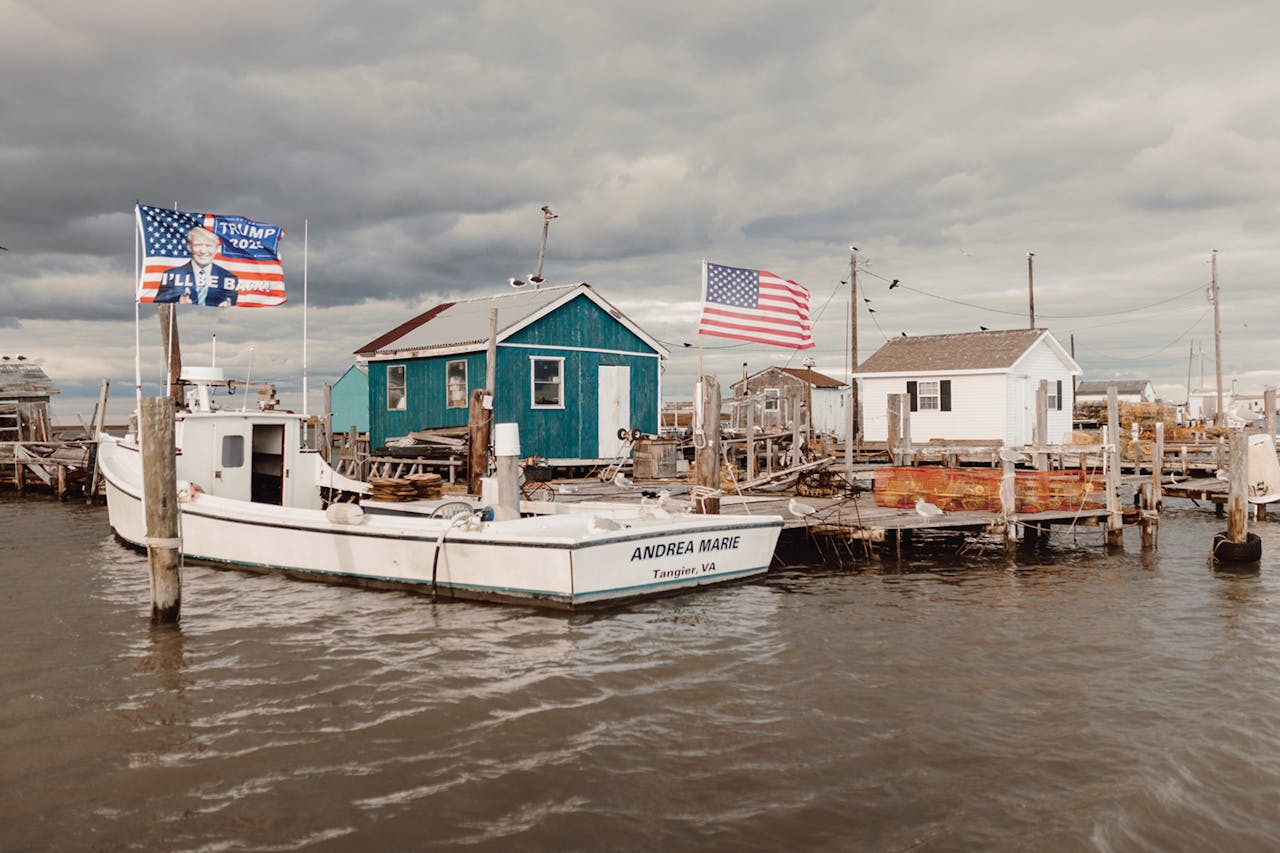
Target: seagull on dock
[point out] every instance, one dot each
(671, 505)
(800, 509)
(928, 510)
(621, 481)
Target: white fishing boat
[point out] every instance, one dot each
(251, 496)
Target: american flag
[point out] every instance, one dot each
(250, 250)
(754, 305)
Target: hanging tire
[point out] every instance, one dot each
(1226, 551)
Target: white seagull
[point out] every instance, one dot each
(671, 505)
(800, 509)
(927, 509)
(620, 480)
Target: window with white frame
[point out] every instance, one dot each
(456, 384)
(396, 398)
(771, 397)
(547, 375)
(929, 395)
(1054, 401)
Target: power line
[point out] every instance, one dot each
(898, 285)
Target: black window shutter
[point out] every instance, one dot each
(911, 392)
(1059, 395)
(945, 386)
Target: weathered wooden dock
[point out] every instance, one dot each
(845, 521)
(62, 467)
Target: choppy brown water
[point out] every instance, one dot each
(1071, 700)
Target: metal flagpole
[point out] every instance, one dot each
(704, 302)
(137, 333)
(305, 225)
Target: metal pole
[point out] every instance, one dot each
(1219, 417)
(1031, 289)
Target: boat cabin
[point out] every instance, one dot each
(243, 455)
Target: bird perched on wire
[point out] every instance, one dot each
(893, 284)
(800, 509)
(928, 510)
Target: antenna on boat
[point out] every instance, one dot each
(247, 377)
(213, 351)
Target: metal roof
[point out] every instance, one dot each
(1098, 387)
(465, 324)
(992, 350)
(22, 377)
(804, 374)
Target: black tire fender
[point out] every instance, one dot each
(1226, 551)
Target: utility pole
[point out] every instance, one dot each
(1191, 360)
(853, 424)
(1031, 289)
(1219, 418)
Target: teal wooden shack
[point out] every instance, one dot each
(349, 400)
(572, 370)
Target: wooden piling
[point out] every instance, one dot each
(1041, 459)
(1237, 544)
(909, 457)
(99, 422)
(751, 440)
(1153, 497)
(893, 437)
(1269, 408)
(1238, 487)
(706, 442)
(160, 497)
(172, 349)
(478, 423)
(1009, 505)
(1115, 519)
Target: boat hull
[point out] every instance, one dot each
(566, 560)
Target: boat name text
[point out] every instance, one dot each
(678, 547)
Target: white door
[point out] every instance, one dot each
(232, 462)
(1024, 411)
(615, 408)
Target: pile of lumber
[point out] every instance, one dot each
(392, 490)
(426, 486)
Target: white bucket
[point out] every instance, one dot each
(506, 440)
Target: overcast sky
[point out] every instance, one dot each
(416, 142)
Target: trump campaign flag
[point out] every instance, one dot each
(209, 259)
(754, 305)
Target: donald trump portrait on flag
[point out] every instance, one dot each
(199, 281)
